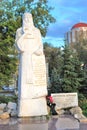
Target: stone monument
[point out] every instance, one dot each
(32, 84)
(65, 100)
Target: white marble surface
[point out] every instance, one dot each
(32, 84)
(65, 100)
(32, 107)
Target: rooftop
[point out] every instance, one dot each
(78, 25)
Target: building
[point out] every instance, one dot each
(77, 32)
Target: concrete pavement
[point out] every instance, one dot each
(54, 123)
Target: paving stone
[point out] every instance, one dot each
(54, 123)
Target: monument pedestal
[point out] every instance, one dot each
(32, 107)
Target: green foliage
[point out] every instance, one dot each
(54, 60)
(42, 16)
(55, 81)
(5, 99)
(53, 57)
(70, 71)
(81, 49)
(8, 58)
(83, 103)
(13, 10)
(67, 72)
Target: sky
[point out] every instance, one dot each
(67, 13)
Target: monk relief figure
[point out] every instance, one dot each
(32, 70)
(32, 84)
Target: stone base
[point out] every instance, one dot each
(83, 120)
(32, 107)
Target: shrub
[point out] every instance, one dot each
(83, 103)
(5, 99)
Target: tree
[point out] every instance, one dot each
(11, 14)
(54, 60)
(13, 10)
(71, 72)
(53, 57)
(80, 48)
(55, 81)
(8, 57)
(83, 87)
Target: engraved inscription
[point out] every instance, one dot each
(39, 71)
(65, 100)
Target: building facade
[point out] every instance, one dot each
(77, 32)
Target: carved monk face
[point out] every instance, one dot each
(27, 22)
